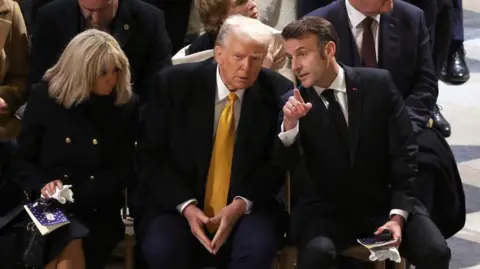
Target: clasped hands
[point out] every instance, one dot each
(225, 220)
(293, 110)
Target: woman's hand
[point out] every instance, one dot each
(49, 189)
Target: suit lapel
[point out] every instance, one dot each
(348, 51)
(388, 41)
(203, 108)
(354, 100)
(124, 25)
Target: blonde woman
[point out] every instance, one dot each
(79, 129)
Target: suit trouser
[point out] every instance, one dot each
(322, 240)
(169, 243)
(438, 18)
(306, 6)
(457, 20)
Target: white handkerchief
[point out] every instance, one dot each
(62, 195)
(382, 254)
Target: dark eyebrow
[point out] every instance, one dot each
(300, 48)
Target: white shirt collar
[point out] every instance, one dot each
(355, 16)
(338, 83)
(223, 91)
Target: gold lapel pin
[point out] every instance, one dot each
(126, 27)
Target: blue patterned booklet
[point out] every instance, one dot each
(46, 218)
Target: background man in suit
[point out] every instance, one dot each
(390, 34)
(358, 156)
(210, 157)
(137, 26)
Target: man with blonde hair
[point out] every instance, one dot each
(210, 160)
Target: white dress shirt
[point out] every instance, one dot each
(355, 20)
(340, 93)
(220, 102)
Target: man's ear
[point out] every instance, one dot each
(330, 49)
(218, 54)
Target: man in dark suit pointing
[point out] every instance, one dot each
(358, 165)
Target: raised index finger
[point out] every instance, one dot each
(298, 96)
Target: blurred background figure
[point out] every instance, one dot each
(14, 67)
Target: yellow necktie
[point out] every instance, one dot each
(218, 181)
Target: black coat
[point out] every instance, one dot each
(449, 209)
(90, 146)
(138, 27)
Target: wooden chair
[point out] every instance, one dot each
(288, 255)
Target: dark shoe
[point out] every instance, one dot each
(456, 70)
(440, 123)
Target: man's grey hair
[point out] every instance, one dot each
(247, 29)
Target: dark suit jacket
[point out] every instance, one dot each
(177, 16)
(404, 50)
(90, 146)
(206, 41)
(138, 27)
(371, 174)
(177, 140)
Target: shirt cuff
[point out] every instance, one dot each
(248, 202)
(399, 212)
(183, 205)
(288, 137)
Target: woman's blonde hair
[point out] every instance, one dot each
(87, 57)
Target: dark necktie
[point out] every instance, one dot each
(336, 114)
(369, 55)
